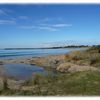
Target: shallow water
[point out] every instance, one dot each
(22, 71)
(8, 54)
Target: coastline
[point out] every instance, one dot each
(69, 65)
(60, 62)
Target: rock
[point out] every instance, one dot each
(53, 63)
(70, 67)
(1, 63)
(22, 62)
(64, 67)
(13, 84)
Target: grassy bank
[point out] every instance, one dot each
(89, 57)
(70, 84)
(80, 77)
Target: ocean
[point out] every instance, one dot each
(8, 54)
(25, 71)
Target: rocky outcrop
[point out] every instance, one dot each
(70, 67)
(1, 63)
(71, 62)
(48, 61)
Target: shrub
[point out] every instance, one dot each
(5, 84)
(67, 56)
(76, 58)
(93, 60)
(94, 48)
(38, 82)
(37, 78)
(29, 82)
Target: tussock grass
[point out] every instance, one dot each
(89, 57)
(70, 84)
(85, 83)
(78, 83)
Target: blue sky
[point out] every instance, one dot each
(49, 25)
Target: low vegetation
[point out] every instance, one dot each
(76, 83)
(89, 57)
(69, 84)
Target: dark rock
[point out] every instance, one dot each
(22, 62)
(1, 63)
(32, 64)
(52, 63)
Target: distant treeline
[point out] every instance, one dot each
(70, 46)
(95, 47)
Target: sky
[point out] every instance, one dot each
(43, 25)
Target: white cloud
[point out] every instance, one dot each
(45, 20)
(7, 10)
(27, 27)
(53, 27)
(48, 19)
(53, 22)
(13, 18)
(7, 21)
(23, 17)
(58, 25)
(61, 25)
(38, 28)
(50, 24)
(48, 28)
(2, 12)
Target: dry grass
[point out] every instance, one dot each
(74, 84)
(89, 57)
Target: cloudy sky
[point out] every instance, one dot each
(38, 25)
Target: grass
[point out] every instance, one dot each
(78, 83)
(86, 83)
(89, 57)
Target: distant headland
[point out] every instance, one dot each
(55, 47)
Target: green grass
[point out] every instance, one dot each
(80, 83)
(86, 83)
(75, 84)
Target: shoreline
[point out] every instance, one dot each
(50, 61)
(69, 64)
(26, 59)
(73, 61)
